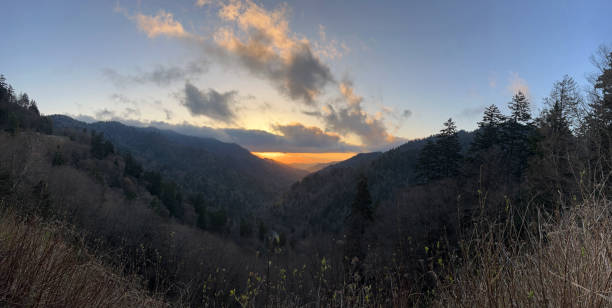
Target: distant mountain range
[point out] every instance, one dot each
(228, 175)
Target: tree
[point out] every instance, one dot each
(488, 131)
(199, 205)
(172, 198)
(245, 228)
(34, 108)
(361, 214)
(449, 149)
(566, 95)
(440, 158)
(515, 135)
(519, 107)
(3, 89)
(99, 147)
(428, 166)
(154, 182)
(550, 173)
(24, 101)
(132, 167)
(599, 123)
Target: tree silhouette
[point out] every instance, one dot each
(515, 135)
(450, 149)
(440, 158)
(488, 133)
(360, 216)
(519, 107)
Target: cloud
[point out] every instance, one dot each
(161, 24)
(168, 114)
(262, 42)
(352, 119)
(331, 49)
(105, 115)
(161, 75)
(122, 99)
(516, 84)
(298, 135)
(201, 3)
(131, 113)
(212, 104)
(128, 114)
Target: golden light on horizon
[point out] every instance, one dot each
(304, 158)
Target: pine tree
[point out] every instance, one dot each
(550, 173)
(440, 158)
(24, 101)
(488, 133)
(428, 166)
(604, 85)
(515, 135)
(361, 214)
(519, 107)
(450, 150)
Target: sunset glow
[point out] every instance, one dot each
(304, 158)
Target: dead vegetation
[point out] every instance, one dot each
(39, 267)
(564, 262)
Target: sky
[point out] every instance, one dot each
(296, 81)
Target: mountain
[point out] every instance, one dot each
(228, 175)
(321, 200)
(312, 167)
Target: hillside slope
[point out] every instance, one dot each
(322, 199)
(228, 175)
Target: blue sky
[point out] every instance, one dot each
(383, 71)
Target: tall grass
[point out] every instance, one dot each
(41, 267)
(562, 261)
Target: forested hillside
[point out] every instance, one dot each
(228, 176)
(493, 217)
(317, 201)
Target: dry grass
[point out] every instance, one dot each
(38, 267)
(566, 262)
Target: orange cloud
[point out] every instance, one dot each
(161, 24)
(516, 84)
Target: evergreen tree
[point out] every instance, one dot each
(428, 166)
(551, 179)
(440, 158)
(449, 150)
(488, 133)
(515, 135)
(24, 101)
(3, 89)
(132, 167)
(99, 147)
(361, 214)
(603, 84)
(34, 108)
(519, 107)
